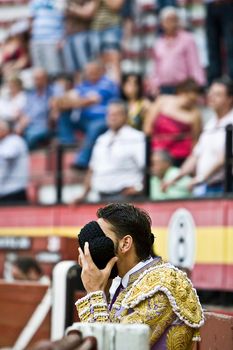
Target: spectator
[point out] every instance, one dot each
(15, 55)
(207, 158)
(34, 121)
(13, 166)
(163, 171)
(140, 28)
(118, 159)
(90, 102)
(13, 103)
(132, 93)
(174, 122)
(107, 33)
(175, 55)
(219, 29)
(47, 35)
(78, 46)
(26, 268)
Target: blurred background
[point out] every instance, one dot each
(124, 100)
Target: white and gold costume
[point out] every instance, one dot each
(158, 295)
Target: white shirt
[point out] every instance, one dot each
(14, 165)
(211, 146)
(125, 280)
(11, 107)
(118, 160)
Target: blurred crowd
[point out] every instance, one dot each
(70, 75)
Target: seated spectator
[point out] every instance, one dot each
(13, 166)
(79, 49)
(89, 101)
(162, 171)
(174, 122)
(107, 34)
(26, 268)
(13, 103)
(118, 160)
(34, 122)
(175, 55)
(47, 35)
(132, 93)
(15, 55)
(207, 158)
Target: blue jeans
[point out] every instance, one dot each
(214, 189)
(35, 138)
(107, 39)
(78, 51)
(91, 128)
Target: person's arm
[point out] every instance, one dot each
(151, 116)
(85, 11)
(195, 69)
(188, 168)
(115, 5)
(22, 124)
(196, 127)
(72, 100)
(197, 180)
(94, 308)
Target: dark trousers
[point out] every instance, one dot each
(219, 27)
(92, 129)
(15, 197)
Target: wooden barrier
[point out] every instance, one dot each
(217, 332)
(18, 301)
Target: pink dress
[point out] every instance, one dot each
(173, 136)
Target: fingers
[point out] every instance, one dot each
(85, 258)
(88, 254)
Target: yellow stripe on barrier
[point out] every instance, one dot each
(213, 244)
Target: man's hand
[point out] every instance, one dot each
(94, 279)
(93, 97)
(166, 184)
(195, 182)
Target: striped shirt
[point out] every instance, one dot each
(105, 17)
(48, 20)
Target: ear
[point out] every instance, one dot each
(125, 244)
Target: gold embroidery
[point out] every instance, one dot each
(175, 285)
(180, 338)
(156, 312)
(155, 296)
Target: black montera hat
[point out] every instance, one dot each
(101, 247)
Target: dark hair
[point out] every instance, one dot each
(27, 263)
(227, 82)
(9, 125)
(188, 85)
(119, 102)
(139, 82)
(128, 219)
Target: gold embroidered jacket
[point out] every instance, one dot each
(158, 295)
